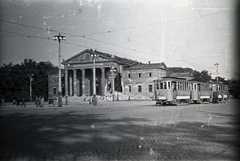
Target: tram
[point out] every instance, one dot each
(219, 92)
(174, 91)
(200, 92)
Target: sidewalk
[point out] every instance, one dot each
(31, 105)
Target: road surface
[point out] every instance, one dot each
(124, 130)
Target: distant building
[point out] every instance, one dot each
(138, 79)
(53, 83)
(113, 74)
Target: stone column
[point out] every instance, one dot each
(103, 82)
(112, 78)
(70, 85)
(83, 82)
(66, 82)
(75, 82)
(66, 86)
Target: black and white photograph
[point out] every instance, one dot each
(96, 80)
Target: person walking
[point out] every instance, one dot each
(94, 100)
(42, 102)
(37, 101)
(18, 102)
(23, 102)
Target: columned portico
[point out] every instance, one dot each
(77, 83)
(79, 74)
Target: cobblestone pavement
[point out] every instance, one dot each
(131, 130)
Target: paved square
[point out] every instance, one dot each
(130, 130)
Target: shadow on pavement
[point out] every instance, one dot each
(74, 136)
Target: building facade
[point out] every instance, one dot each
(138, 79)
(112, 74)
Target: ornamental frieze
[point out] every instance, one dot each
(85, 58)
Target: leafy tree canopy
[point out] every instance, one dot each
(15, 82)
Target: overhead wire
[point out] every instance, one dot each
(109, 31)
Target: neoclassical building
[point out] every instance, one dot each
(111, 74)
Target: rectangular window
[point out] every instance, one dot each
(139, 88)
(54, 90)
(150, 88)
(139, 75)
(130, 88)
(149, 74)
(129, 76)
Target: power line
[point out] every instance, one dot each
(180, 60)
(28, 36)
(110, 31)
(148, 25)
(25, 25)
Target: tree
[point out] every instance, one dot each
(203, 76)
(15, 82)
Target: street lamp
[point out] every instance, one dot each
(112, 70)
(94, 55)
(30, 79)
(59, 38)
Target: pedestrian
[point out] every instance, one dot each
(42, 102)
(14, 102)
(18, 102)
(214, 97)
(94, 100)
(37, 101)
(3, 102)
(50, 101)
(23, 102)
(223, 101)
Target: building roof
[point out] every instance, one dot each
(181, 75)
(83, 57)
(148, 66)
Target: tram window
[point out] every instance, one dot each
(161, 85)
(157, 86)
(194, 86)
(174, 85)
(164, 85)
(180, 86)
(168, 85)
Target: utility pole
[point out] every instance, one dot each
(217, 64)
(94, 73)
(30, 79)
(59, 38)
(112, 70)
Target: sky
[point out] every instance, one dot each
(181, 33)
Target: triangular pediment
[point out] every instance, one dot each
(85, 56)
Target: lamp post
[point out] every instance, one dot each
(112, 78)
(94, 73)
(30, 79)
(59, 38)
(217, 64)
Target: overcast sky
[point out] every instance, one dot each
(181, 33)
